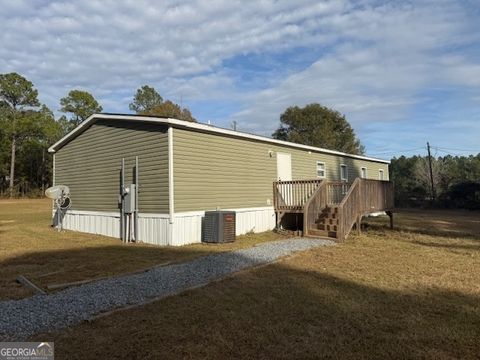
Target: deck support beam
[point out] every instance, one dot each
(279, 219)
(359, 224)
(390, 215)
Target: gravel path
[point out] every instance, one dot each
(20, 319)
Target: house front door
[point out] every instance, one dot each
(284, 166)
(284, 173)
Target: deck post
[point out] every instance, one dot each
(279, 219)
(340, 233)
(359, 224)
(390, 215)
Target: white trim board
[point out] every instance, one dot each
(53, 172)
(171, 190)
(202, 128)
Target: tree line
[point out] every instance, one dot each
(455, 180)
(28, 128)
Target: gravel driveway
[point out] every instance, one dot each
(20, 319)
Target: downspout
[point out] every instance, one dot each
(171, 200)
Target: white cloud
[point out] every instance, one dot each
(373, 60)
(386, 58)
(108, 45)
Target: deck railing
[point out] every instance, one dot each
(349, 209)
(314, 206)
(293, 195)
(364, 196)
(352, 200)
(377, 195)
(336, 191)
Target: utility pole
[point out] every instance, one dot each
(234, 125)
(431, 171)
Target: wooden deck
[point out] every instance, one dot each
(332, 208)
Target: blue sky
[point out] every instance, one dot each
(403, 72)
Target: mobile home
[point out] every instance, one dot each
(185, 169)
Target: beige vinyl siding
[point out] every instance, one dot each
(213, 171)
(90, 165)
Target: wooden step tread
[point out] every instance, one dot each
(327, 227)
(330, 210)
(327, 222)
(322, 233)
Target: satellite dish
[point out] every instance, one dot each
(65, 204)
(61, 195)
(57, 192)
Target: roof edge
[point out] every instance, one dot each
(199, 127)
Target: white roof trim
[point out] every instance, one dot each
(204, 128)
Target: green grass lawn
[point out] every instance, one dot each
(30, 247)
(409, 293)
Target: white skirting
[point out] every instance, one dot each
(93, 222)
(156, 228)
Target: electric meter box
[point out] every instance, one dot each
(129, 199)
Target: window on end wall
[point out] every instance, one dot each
(321, 170)
(380, 174)
(343, 173)
(364, 173)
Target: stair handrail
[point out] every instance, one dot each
(349, 209)
(314, 205)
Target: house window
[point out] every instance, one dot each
(321, 169)
(364, 173)
(343, 173)
(380, 174)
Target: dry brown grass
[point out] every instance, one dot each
(384, 294)
(29, 246)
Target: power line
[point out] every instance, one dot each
(449, 153)
(396, 151)
(471, 150)
(437, 148)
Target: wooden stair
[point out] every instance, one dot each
(332, 208)
(326, 224)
